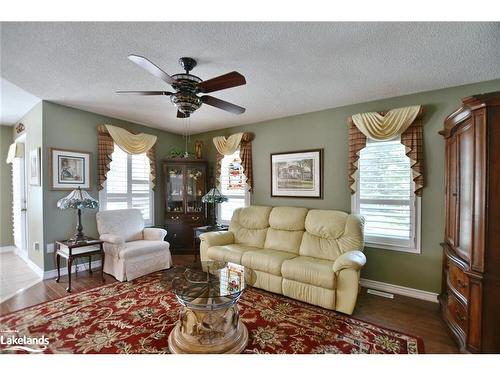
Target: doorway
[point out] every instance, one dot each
(19, 196)
(16, 269)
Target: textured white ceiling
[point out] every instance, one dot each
(14, 102)
(290, 68)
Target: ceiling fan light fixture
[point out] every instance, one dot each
(186, 103)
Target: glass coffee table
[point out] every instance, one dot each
(209, 321)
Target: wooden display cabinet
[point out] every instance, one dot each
(185, 185)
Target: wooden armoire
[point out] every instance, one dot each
(471, 263)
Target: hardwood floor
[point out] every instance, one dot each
(408, 315)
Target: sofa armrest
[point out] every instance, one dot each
(112, 238)
(154, 234)
(217, 238)
(353, 260)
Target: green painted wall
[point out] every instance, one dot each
(6, 237)
(69, 128)
(33, 129)
(328, 129)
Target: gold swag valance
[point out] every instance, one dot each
(405, 122)
(108, 135)
(129, 142)
(227, 146)
(382, 127)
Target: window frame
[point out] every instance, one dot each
(103, 194)
(247, 199)
(395, 244)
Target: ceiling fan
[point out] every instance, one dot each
(188, 86)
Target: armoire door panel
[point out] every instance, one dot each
(451, 191)
(480, 170)
(465, 143)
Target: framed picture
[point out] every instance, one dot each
(69, 169)
(297, 174)
(34, 167)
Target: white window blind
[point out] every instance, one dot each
(233, 186)
(385, 197)
(128, 185)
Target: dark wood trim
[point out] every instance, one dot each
(321, 173)
(50, 157)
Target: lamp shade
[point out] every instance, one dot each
(77, 199)
(214, 196)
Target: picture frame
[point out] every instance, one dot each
(69, 169)
(34, 167)
(297, 174)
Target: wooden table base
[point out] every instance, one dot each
(208, 332)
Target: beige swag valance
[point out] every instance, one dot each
(131, 143)
(227, 146)
(405, 122)
(16, 150)
(108, 135)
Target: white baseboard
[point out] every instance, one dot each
(64, 270)
(401, 290)
(24, 256)
(7, 249)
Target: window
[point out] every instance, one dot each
(233, 186)
(128, 185)
(385, 197)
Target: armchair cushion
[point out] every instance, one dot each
(154, 234)
(351, 260)
(220, 238)
(140, 248)
(112, 238)
(127, 224)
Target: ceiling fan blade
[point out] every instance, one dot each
(151, 68)
(226, 106)
(181, 115)
(167, 93)
(225, 81)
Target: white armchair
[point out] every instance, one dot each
(130, 249)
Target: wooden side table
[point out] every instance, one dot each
(71, 250)
(197, 232)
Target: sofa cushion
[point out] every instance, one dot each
(249, 225)
(288, 218)
(286, 229)
(266, 260)
(127, 224)
(331, 233)
(284, 240)
(308, 270)
(140, 248)
(229, 253)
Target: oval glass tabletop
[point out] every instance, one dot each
(216, 285)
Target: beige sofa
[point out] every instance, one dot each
(313, 256)
(130, 249)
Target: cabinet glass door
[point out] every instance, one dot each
(175, 189)
(195, 188)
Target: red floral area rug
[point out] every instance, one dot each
(137, 317)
